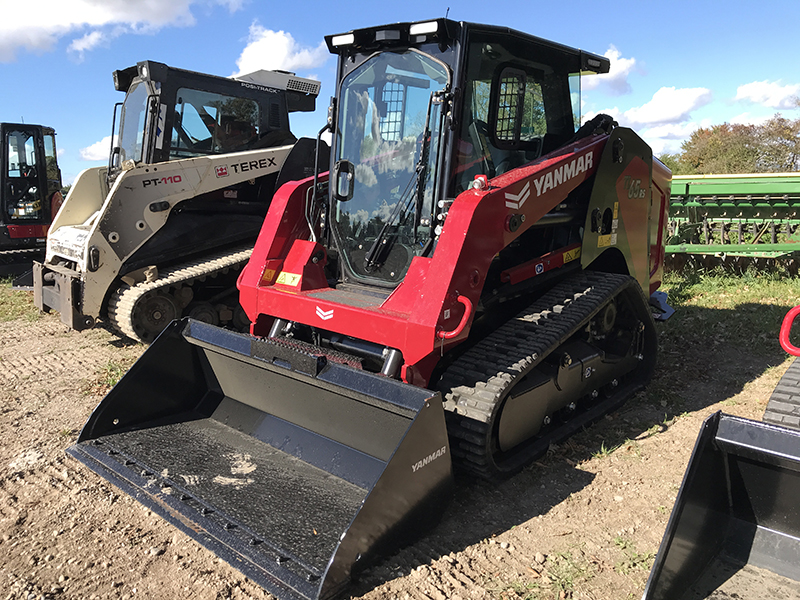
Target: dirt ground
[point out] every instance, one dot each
(584, 522)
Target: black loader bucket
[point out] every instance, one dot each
(735, 529)
(296, 470)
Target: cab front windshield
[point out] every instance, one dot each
(384, 108)
(132, 123)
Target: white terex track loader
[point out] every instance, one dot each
(163, 230)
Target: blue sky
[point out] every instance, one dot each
(676, 66)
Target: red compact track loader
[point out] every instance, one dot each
(468, 286)
(30, 194)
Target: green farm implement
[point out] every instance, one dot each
(734, 221)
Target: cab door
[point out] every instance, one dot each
(24, 184)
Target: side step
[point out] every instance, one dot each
(736, 520)
(297, 471)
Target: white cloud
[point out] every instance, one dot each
(769, 93)
(669, 106)
(615, 82)
(267, 49)
(668, 138)
(749, 119)
(97, 151)
(672, 131)
(665, 121)
(86, 43)
(36, 25)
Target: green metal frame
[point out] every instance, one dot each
(754, 215)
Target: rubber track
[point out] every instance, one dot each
(12, 261)
(123, 301)
(783, 407)
(496, 363)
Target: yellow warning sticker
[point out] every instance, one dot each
(572, 255)
(292, 279)
(268, 276)
(603, 241)
(616, 210)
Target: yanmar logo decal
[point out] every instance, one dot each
(516, 201)
(325, 315)
(428, 459)
(556, 177)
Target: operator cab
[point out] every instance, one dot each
(171, 114)
(422, 109)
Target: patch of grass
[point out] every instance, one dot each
(631, 559)
(560, 575)
(604, 452)
(631, 449)
(16, 304)
(720, 308)
(565, 571)
(113, 372)
(108, 376)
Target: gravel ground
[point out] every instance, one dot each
(584, 522)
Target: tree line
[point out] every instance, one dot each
(772, 147)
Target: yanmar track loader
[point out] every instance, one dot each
(30, 193)
(469, 286)
(164, 229)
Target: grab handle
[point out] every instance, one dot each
(446, 335)
(786, 327)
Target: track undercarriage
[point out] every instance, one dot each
(16, 262)
(203, 290)
(572, 356)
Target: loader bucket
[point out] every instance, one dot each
(735, 529)
(296, 470)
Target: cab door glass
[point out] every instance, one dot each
(132, 124)
(51, 159)
(23, 197)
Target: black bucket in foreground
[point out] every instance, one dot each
(295, 470)
(736, 521)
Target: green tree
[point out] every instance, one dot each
(723, 148)
(779, 145)
(675, 163)
(772, 147)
